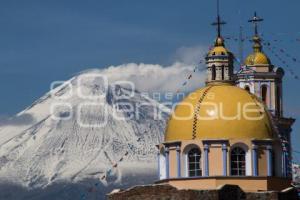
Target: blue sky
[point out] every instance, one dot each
(43, 41)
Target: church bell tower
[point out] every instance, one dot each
(219, 59)
(260, 77)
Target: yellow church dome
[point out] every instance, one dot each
(257, 58)
(205, 113)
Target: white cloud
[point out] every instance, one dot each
(190, 55)
(158, 78)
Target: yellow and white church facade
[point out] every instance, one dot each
(232, 131)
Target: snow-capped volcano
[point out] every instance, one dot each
(84, 129)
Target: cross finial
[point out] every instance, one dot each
(218, 23)
(255, 20)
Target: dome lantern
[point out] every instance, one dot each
(219, 59)
(258, 57)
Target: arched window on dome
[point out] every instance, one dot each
(238, 162)
(194, 163)
(213, 72)
(264, 92)
(247, 88)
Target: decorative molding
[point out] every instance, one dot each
(172, 144)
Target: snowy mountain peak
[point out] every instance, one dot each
(85, 128)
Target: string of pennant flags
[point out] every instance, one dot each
(276, 52)
(290, 38)
(273, 49)
(281, 40)
(114, 165)
(249, 38)
(93, 188)
(236, 39)
(268, 43)
(283, 62)
(190, 76)
(108, 172)
(282, 51)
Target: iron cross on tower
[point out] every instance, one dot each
(218, 23)
(255, 20)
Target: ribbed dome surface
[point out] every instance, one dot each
(205, 113)
(257, 58)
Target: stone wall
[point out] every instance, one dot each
(167, 192)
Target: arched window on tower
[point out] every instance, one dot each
(264, 92)
(213, 73)
(247, 88)
(194, 162)
(238, 162)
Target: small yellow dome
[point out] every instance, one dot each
(257, 58)
(217, 51)
(210, 118)
(219, 48)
